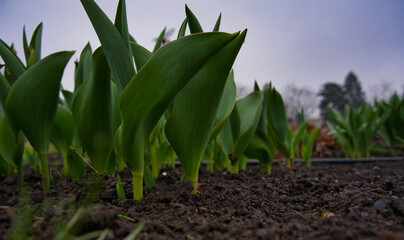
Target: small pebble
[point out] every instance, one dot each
(364, 214)
(379, 204)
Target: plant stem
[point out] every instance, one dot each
(121, 164)
(228, 164)
(268, 168)
(243, 162)
(234, 168)
(137, 179)
(288, 163)
(194, 182)
(66, 165)
(43, 160)
(209, 164)
(153, 157)
(171, 160)
(210, 155)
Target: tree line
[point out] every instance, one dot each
(333, 95)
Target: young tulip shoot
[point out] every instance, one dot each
(33, 100)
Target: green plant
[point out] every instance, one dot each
(119, 189)
(239, 129)
(28, 99)
(226, 106)
(261, 146)
(32, 103)
(147, 94)
(279, 131)
(308, 139)
(195, 107)
(61, 133)
(392, 131)
(356, 128)
(11, 151)
(95, 109)
(76, 163)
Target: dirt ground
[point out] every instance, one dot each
(326, 201)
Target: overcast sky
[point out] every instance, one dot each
(307, 42)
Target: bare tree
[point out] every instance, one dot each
(297, 98)
(381, 91)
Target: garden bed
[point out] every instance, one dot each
(326, 201)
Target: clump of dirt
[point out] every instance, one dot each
(326, 201)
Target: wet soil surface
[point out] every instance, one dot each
(326, 201)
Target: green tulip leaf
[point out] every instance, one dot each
(226, 105)
(116, 52)
(76, 164)
(183, 27)
(189, 125)
(13, 63)
(32, 101)
(4, 90)
(244, 121)
(141, 55)
(62, 129)
(259, 149)
(297, 136)
(119, 189)
(308, 144)
(225, 138)
(121, 23)
(94, 111)
(25, 45)
(84, 66)
(35, 46)
(7, 141)
(68, 98)
(193, 23)
(150, 92)
(160, 39)
(148, 178)
(5, 170)
(217, 25)
(276, 116)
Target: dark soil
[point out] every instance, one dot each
(326, 201)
